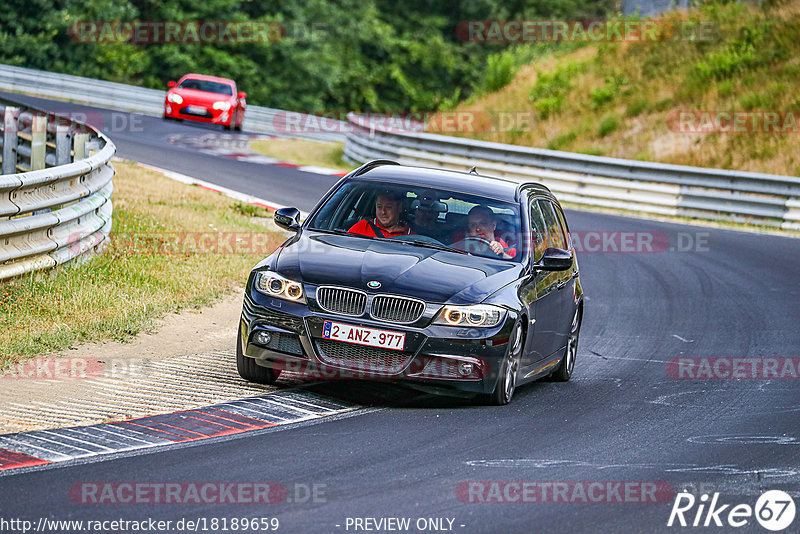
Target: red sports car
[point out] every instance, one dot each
(201, 98)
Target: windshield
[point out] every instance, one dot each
(207, 86)
(424, 216)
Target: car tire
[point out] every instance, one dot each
(250, 370)
(507, 383)
(565, 368)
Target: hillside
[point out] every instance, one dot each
(729, 99)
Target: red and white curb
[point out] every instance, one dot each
(320, 170)
(266, 160)
(45, 447)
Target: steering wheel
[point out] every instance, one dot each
(477, 245)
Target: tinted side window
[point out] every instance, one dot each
(564, 226)
(343, 209)
(538, 231)
(555, 234)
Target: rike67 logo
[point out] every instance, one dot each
(774, 510)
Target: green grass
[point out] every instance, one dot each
(250, 210)
(304, 152)
(558, 142)
(157, 262)
(607, 125)
(636, 107)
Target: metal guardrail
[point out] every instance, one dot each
(134, 99)
(647, 187)
(641, 186)
(55, 199)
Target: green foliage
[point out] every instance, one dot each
(549, 105)
(725, 88)
(751, 101)
(249, 210)
(554, 83)
(754, 46)
(636, 107)
(664, 104)
(602, 95)
(548, 93)
(592, 151)
(726, 63)
(608, 124)
(376, 55)
(500, 70)
(451, 102)
(605, 94)
(561, 141)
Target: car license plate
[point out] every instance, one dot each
(360, 335)
(197, 110)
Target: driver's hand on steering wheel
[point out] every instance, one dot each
(496, 247)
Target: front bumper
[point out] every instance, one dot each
(440, 357)
(211, 116)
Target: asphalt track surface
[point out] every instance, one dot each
(623, 417)
(147, 140)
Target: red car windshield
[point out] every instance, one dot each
(207, 86)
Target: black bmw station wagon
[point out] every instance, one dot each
(450, 281)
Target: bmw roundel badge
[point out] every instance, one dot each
(373, 284)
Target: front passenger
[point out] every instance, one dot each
(388, 206)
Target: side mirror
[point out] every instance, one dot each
(554, 259)
(171, 84)
(242, 95)
(288, 218)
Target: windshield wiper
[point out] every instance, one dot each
(428, 244)
(335, 231)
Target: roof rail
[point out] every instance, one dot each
(371, 165)
(530, 185)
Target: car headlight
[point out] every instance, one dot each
(275, 285)
(478, 316)
(222, 106)
(177, 99)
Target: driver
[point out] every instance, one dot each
(387, 223)
(482, 224)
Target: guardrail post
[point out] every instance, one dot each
(62, 142)
(10, 129)
(92, 146)
(38, 142)
(79, 146)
